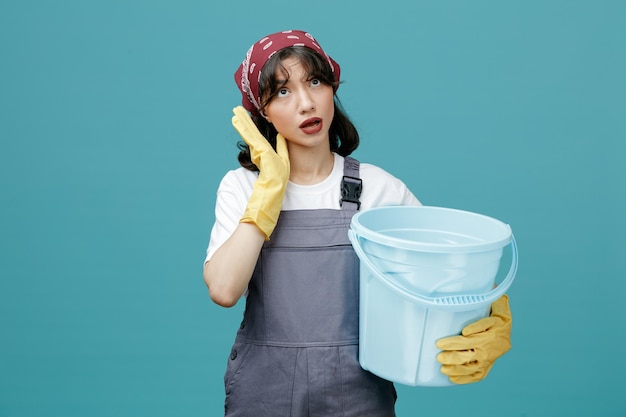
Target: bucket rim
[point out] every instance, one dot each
(451, 302)
(401, 243)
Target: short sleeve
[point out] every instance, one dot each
(231, 199)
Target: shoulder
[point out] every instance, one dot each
(377, 175)
(235, 190)
(237, 180)
(371, 169)
(381, 188)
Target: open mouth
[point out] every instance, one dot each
(312, 125)
(309, 123)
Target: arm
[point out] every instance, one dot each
(228, 272)
(230, 269)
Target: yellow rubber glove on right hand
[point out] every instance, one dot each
(468, 357)
(269, 189)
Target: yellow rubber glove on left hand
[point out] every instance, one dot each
(268, 191)
(469, 357)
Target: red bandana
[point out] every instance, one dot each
(248, 74)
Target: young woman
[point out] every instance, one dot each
(280, 239)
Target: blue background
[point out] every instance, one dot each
(115, 131)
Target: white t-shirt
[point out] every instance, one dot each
(380, 188)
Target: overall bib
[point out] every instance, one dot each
(296, 352)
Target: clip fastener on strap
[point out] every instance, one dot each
(351, 188)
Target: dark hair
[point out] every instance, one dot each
(343, 136)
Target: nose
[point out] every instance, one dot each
(305, 101)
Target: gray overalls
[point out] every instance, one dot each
(296, 352)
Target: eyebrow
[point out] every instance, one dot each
(283, 81)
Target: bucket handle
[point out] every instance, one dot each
(446, 301)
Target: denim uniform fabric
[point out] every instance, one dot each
(296, 352)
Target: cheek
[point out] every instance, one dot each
(331, 109)
(277, 116)
(278, 124)
(271, 113)
(330, 101)
(278, 127)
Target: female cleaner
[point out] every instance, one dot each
(280, 239)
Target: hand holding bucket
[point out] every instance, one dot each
(469, 357)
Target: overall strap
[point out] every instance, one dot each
(351, 185)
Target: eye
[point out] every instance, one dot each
(282, 92)
(315, 82)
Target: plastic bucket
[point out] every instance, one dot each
(425, 273)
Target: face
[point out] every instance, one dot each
(303, 108)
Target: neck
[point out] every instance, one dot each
(310, 167)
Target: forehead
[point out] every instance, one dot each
(291, 67)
